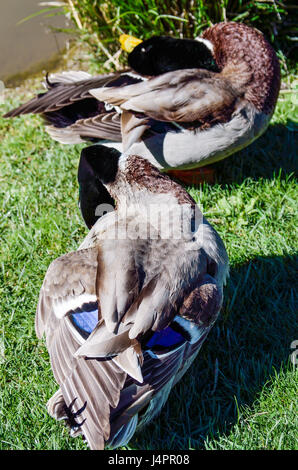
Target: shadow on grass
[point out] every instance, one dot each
(250, 340)
(274, 151)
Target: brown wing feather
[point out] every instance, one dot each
(180, 96)
(61, 95)
(135, 397)
(65, 93)
(68, 276)
(91, 385)
(103, 126)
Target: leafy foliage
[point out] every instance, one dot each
(101, 22)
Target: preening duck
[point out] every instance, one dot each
(188, 104)
(125, 315)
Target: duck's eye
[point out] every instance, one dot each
(143, 49)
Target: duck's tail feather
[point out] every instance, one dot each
(61, 94)
(71, 113)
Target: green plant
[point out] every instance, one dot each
(100, 23)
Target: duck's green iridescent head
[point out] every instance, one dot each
(161, 54)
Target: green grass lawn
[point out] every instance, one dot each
(241, 393)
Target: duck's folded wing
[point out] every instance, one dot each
(67, 311)
(166, 362)
(143, 401)
(90, 385)
(180, 96)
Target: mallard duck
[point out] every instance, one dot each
(125, 315)
(186, 103)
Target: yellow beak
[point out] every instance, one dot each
(128, 43)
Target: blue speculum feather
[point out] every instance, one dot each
(165, 338)
(85, 321)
